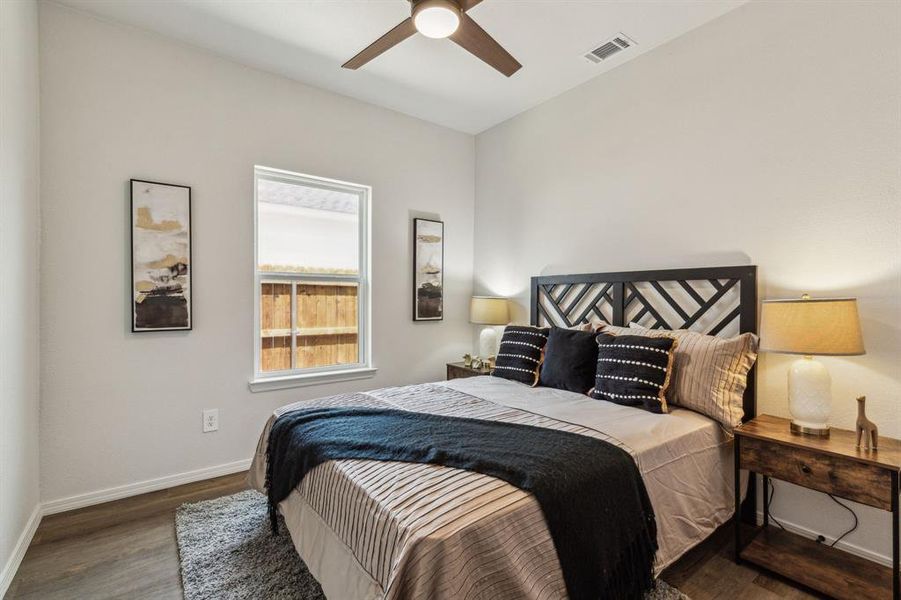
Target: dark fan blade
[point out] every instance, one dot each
(402, 31)
(473, 38)
(467, 4)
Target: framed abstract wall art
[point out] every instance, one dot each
(161, 268)
(428, 270)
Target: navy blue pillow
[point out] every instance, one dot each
(570, 360)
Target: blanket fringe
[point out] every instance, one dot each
(633, 575)
(273, 519)
(272, 508)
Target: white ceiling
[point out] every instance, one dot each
(435, 80)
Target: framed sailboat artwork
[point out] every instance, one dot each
(428, 270)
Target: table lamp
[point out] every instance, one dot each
(809, 327)
(488, 310)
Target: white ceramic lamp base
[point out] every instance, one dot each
(487, 343)
(809, 397)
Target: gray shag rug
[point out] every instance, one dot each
(227, 553)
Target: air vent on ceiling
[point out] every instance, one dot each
(607, 49)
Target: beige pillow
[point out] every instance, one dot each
(616, 330)
(710, 373)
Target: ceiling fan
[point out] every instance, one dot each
(441, 19)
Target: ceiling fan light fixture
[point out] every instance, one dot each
(441, 19)
(436, 18)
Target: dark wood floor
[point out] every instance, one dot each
(708, 572)
(127, 549)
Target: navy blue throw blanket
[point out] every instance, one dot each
(591, 492)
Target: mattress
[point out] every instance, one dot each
(373, 530)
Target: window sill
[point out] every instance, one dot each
(265, 384)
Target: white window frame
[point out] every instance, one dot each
(273, 380)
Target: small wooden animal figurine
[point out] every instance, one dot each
(866, 427)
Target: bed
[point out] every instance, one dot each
(371, 530)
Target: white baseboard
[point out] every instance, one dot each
(848, 547)
(59, 505)
(15, 559)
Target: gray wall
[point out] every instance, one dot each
(759, 138)
(121, 408)
(19, 247)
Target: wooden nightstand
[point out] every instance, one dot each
(456, 370)
(833, 465)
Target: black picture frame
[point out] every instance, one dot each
(172, 311)
(428, 299)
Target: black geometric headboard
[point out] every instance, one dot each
(718, 301)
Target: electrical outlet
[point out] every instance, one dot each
(210, 420)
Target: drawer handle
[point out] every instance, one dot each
(805, 469)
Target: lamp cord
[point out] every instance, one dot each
(853, 514)
(772, 491)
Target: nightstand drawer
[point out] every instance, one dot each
(842, 477)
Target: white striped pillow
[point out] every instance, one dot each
(521, 353)
(710, 373)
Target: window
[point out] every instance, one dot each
(311, 282)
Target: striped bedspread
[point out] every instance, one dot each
(427, 531)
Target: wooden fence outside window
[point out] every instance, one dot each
(307, 324)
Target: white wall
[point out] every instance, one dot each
(117, 103)
(19, 248)
(771, 136)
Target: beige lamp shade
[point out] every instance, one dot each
(489, 310)
(811, 326)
